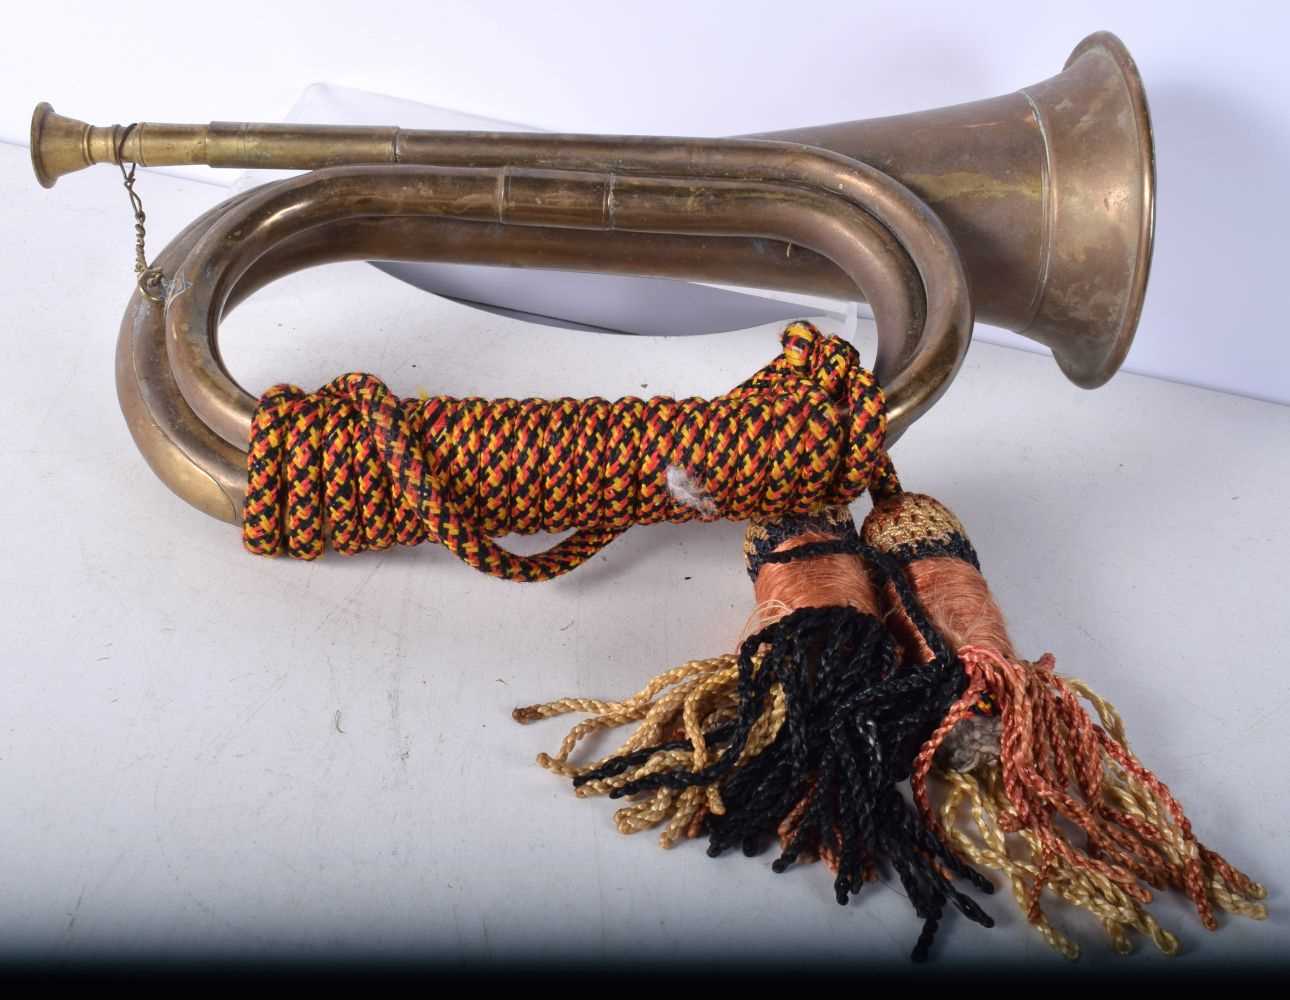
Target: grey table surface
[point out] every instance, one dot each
(206, 753)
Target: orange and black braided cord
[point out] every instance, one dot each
(357, 466)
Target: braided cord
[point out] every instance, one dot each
(356, 465)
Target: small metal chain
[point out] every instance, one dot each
(151, 280)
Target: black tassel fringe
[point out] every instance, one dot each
(855, 721)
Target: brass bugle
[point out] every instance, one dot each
(1048, 192)
(1035, 208)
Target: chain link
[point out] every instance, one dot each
(151, 280)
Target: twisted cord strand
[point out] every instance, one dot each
(1059, 766)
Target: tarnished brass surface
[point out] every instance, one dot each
(1048, 193)
(1050, 196)
(1036, 207)
(191, 419)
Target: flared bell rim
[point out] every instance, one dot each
(1092, 370)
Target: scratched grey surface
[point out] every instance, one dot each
(174, 777)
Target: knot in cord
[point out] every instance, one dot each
(355, 465)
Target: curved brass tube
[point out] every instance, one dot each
(190, 418)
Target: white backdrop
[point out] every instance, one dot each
(1216, 81)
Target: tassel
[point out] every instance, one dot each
(801, 737)
(1026, 762)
